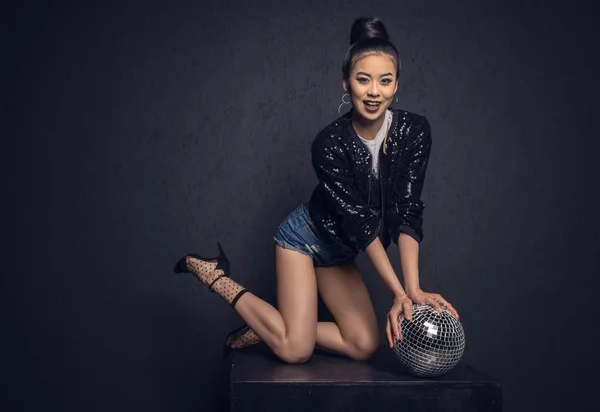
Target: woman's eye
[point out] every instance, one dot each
(386, 81)
(362, 80)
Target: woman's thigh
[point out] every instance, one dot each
(346, 296)
(297, 296)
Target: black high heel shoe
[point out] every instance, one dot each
(222, 263)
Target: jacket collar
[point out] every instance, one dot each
(349, 130)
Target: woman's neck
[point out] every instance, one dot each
(367, 129)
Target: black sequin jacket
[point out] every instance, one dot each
(353, 205)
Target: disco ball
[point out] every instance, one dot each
(432, 343)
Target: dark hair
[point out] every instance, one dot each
(368, 35)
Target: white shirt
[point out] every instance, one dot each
(375, 144)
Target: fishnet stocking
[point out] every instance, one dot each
(245, 338)
(203, 269)
(226, 287)
(206, 272)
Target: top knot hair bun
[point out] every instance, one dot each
(367, 28)
(368, 36)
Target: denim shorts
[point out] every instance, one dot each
(297, 232)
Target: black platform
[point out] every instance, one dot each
(260, 382)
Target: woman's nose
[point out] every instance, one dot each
(373, 90)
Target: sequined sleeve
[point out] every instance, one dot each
(407, 211)
(344, 200)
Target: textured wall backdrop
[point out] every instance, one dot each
(137, 133)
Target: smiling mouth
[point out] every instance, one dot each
(372, 104)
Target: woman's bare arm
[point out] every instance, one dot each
(409, 262)
(380, 261)
(401, 304)
(408, 248)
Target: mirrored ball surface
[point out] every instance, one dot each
(432, 343)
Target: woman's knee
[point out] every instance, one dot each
(363, 344)
(296, 352)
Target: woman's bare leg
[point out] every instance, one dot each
(355, 332)
(290, 331)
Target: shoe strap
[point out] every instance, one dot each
(213, 282)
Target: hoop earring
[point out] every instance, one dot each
(343, 102)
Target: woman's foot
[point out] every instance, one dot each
(244, 339)
(216, 279)
(204, 270)
(214, 273)
(239, 339)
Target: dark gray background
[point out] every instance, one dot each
(135, 133)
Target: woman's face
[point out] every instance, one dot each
(371, 85)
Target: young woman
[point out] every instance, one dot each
(370, 164)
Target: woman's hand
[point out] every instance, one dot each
(433, 299)
(402, 306)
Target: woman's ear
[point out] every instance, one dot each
(345, 85)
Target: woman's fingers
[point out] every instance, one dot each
(447, 304)
(451, 308)
(388, 333)
(395, 324)
(435, 303)
(399, 320)
(407, 310)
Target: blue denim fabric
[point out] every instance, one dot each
(297, 232)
